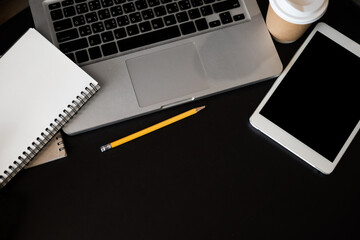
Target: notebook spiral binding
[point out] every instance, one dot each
(60, 143)
(48, 134)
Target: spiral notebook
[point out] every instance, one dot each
(53, 150)
(41, 89)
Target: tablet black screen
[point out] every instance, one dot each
(318, 101)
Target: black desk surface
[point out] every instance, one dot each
(211, 176)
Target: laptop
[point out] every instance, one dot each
(149, 55)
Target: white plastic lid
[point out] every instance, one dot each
(299, 11)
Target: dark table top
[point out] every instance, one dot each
(211, 176)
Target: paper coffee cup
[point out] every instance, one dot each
(287, 20)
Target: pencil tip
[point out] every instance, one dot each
(198, 109)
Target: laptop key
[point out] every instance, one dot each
(84, 30)
(78, 20)
(54, 6)
(201, 24)
(157, 23)
(182, 17)
(141, 4)
(56, 14)
(82, 56)
(160, 11)
(147, 14)
(69, 11)
(170, 20)
(165, 1)
(153, 3)
(73, 45)
(129, 7)
(215, 23)
(123, 20)
(107, 3)
(145, 26)
(225, 17)
(187, 28)
(206, 10)
(109, 49)
(116, 11)
(94, 40)
(67, 35)
(67, 3)
(226, 5)
(239, 17)
(135, 17)
(95, 53)
(148, 38)
(107, 36)
(196, 3)
(94, 5)
(62, 25)
(194, 13)
(110, 24)
(82, 8)
(184, 4)
(120, 33)
(91, 17)
(97, 27)
(172, 8)
(104, 14)
(132, 30)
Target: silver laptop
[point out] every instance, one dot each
(149, 55)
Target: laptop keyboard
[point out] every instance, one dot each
(88, 31)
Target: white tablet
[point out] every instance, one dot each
(313, 108)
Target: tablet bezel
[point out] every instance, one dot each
(284, 138)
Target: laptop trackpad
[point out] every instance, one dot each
(167, 74)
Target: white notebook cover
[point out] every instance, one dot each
(40, 90)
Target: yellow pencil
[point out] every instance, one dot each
(150, 129)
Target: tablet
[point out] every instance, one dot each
(313, 108)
